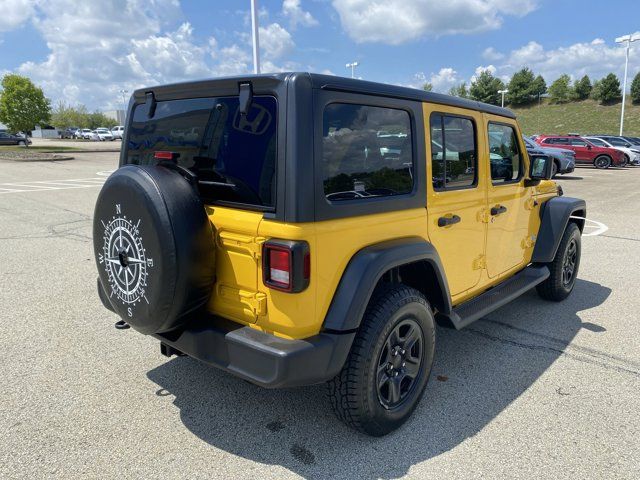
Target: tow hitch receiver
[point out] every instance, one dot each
(169, 351)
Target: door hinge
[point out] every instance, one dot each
(484, 216)
(480, 263)
(528, 241)
(259, 304)
(256, 249)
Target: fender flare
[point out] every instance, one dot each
(555, 218)
(364, 271)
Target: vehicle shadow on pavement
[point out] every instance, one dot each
(477, 373)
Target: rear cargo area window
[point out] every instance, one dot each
(366, 152)
(233, 154)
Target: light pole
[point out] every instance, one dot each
(124, 104)
(352, 66)
(503, 92)
(256, 42)
(628, 39)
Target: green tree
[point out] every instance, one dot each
(22, 104)
(485, 88)
(607, 90)
(560, 91)
(635, 89)
(459, 90)
(521, 87)
(427, 87)
(539, 86)
(582, 88)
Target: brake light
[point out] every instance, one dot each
(280, 268)
(165, 155)
(286, 265)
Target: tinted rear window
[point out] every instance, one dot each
(366, 152)
(233, 155)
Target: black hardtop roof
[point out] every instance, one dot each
(331, 82)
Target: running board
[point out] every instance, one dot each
(496, 297)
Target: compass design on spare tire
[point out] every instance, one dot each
(124, 259)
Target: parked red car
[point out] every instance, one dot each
(586, 152)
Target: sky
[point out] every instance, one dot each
(87, 52)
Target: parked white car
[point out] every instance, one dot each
(82, 133)
(117, 131)
(104, 134)
(632, 154)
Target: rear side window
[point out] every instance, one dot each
(454, 158)
(504, 154)
(366, 152)
(233, 155)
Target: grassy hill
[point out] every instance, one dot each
(580, 117)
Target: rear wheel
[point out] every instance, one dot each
(602, 161)
(564, 267)
(389, 364)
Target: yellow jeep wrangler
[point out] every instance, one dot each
(298, 228)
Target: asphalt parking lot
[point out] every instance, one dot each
(536, 389)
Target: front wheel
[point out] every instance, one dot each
(554, 169)
(389, 364)
(564, 267)
(23, 143)
(602, 162)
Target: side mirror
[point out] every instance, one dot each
(539, 169)
(588, 147)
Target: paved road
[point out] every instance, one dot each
(534, 390)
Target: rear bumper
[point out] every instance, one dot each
(258, 357)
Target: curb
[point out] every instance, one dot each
(32, 159)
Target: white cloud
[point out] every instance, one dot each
(595, 58)
(492, 55)
(275, 41)
(14, 13)
(297, 16)
(96, 52)
(394, 22)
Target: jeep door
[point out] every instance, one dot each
(456, 193)
(510, 203)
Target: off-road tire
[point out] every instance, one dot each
(555, 288)
(354, 392)
(602, 161)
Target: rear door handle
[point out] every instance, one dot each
(446, 221)
(498, 210)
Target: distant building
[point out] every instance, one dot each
(118, 116)
(45, 131)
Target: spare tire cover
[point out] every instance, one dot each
(154, 247)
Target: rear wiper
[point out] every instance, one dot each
(217, 184)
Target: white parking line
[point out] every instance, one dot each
(45, 185)
(588, 223)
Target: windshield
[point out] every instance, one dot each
(234, 155)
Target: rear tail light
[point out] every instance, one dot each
(165, 155)
(286, 265)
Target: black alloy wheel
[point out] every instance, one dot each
(399, 363)
(602, 162)
(569, 263)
